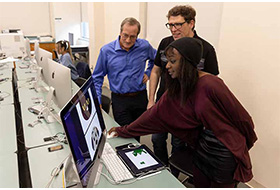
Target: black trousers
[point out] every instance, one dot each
(127, 109)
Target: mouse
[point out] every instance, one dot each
(111, 135)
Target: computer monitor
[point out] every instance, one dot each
(71, 38)
(12, 44)
(36, 50)
(27, 47)
(42, 62)
(59, 78)
(85, 130)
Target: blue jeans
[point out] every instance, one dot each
(160, 146)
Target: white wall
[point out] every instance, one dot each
(85, 12)
(115, 13)
(38, 18)
(32, 18)
(70, 22)
(208, 18)
(249, 63)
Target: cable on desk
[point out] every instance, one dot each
(41, 113)
(3, 80)
(28, 148)
(55, 171)
(168, 168)
(63, 177)
(23, 85)
(20, 129)
(3, 66)
(58, 137)
(3, 97)
(20, 141)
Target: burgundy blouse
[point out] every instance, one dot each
(212, 105)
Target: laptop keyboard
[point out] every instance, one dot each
(115, 166)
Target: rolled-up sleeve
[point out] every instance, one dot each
(151, 56)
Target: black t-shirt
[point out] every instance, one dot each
(208, 62)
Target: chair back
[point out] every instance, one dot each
(183, 161)
(83, 70)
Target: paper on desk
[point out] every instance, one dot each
(8, 59)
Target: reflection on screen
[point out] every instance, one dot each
(141, 158)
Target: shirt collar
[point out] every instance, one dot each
(195, 34)
(118, 46)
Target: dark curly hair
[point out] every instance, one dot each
(185, 11)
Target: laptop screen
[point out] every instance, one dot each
(84, 126)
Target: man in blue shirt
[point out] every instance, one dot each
(124, 62)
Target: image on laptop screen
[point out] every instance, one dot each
(84, 127)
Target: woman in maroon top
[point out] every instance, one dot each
(200, 109)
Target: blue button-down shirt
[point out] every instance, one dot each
(125, 69)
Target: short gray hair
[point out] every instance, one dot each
(131, 21)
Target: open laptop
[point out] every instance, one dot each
(85, 130)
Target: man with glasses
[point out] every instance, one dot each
(181, 23)
(124, 62)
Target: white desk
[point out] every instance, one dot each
(9, 170)
(6, 72)
(6, 65)
(34, 135)
(8, 138)
(41, 164)
(6, 86)
(25, 74)
(8, 145)
(6, 92)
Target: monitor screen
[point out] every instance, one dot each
(44, 55)
(59, 78)
(84, 127)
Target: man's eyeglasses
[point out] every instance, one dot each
(176, 25)
(125, 36)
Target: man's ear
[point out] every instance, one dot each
(192, 23)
